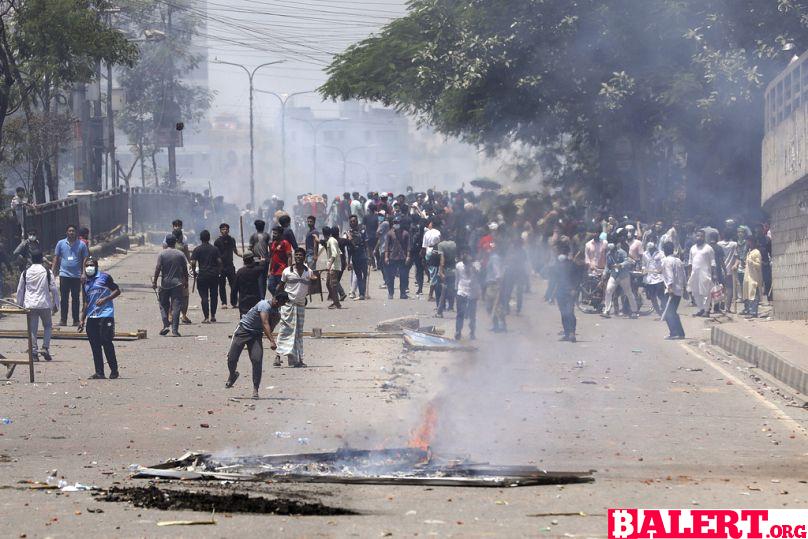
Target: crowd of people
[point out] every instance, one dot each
(457, 249)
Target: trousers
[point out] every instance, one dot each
(34, 316)
(466, 310)
(360, 268)
(397, 268)
(69, 288)
(445, 299)
(255, 348)
(171, 301)
(228, 275)
(100, 333)
(675, 328)
(566, 306)
(207, 288)
(625, 284)
(332, 283)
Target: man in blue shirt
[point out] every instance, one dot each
(70, 255)
(99, 316)
(257, 322)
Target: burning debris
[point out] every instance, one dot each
(153, 497)
(404, 466)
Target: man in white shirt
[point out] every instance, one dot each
(731, 263)
(467, 273)
(702, 263)
(674, 277)
(635, 250)
(652, 269)
(432, 263)
(37, 292)
(295, 282)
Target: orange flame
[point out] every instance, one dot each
(422, 436)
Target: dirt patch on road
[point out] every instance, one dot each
(153, 497)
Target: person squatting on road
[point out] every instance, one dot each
(259, 321)
(172, 268)
(295, 284)
(98, 316)
(206, 266)
(37, 292)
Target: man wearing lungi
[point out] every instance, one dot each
(295, 282)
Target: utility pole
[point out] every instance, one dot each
(344, 154)
(284, 99)
(250, 76)
(172, 147)
(111, 120)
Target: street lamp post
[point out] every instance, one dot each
(250, 74)
(315, 127)
(345, 154)
(284, 99)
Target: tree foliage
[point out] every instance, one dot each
(45, 47)
(601, 90)
(157, 95)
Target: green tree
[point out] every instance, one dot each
(45, 47)
(157, 96)
(635, 98)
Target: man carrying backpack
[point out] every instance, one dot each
(37, 292)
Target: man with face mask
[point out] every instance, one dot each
(652, 276)
(27, 246)
(702, 273)
(99, 316)
(37, 292)
(595, 253)
(634, 245)
(618, 272)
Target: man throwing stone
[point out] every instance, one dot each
(259, 321)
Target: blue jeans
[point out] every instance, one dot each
(360, 268)
(272, 284)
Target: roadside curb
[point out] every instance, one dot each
(761, 357)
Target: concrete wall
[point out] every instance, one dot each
(784, 187)
(789, 221)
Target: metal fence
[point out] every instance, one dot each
(51, 220)
(155, 208)
(108, 210)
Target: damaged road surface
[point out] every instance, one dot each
(405, 466)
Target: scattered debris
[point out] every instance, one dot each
(398, 324)
(416, 340)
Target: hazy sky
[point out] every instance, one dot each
(303, 33)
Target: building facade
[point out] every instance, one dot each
(784, 187)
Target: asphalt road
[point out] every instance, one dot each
(664, 424)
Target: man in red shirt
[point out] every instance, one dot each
(280, 257)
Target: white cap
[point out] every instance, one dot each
(493, 226)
